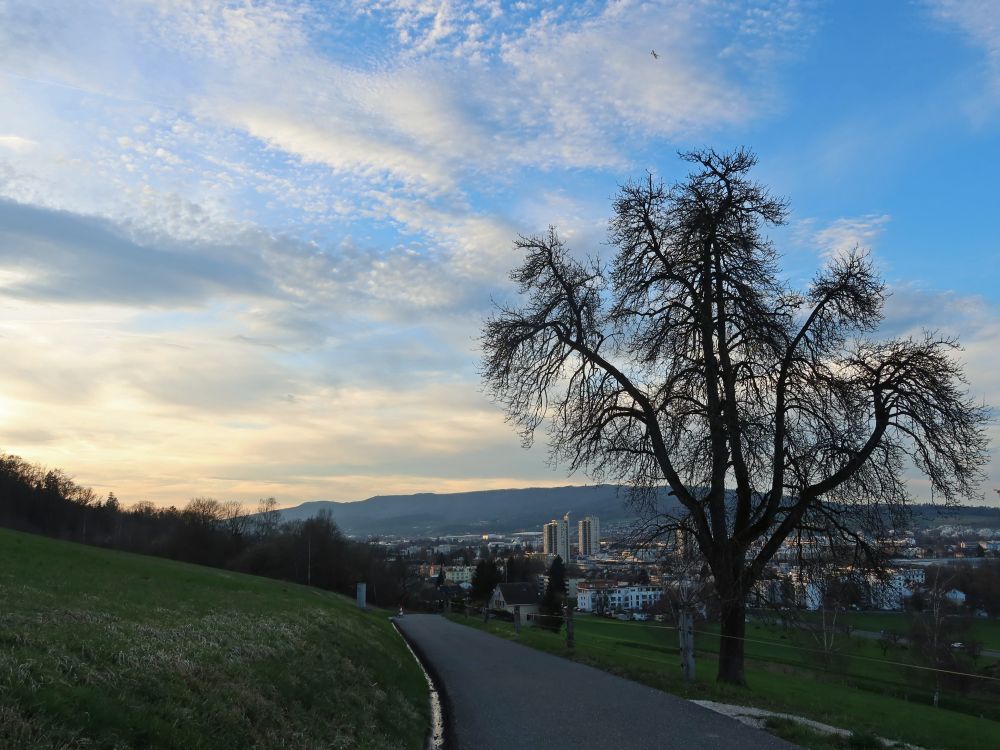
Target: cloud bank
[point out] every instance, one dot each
(245, 248)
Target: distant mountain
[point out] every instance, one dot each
(430, 514)
(970, 516)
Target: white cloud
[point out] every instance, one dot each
(843, 235)
(980, 21)
(241, 252)
(17, 143)
(973, 321)
(180, 104)
(554, 90)
(189, 410)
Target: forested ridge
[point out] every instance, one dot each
(205, 531)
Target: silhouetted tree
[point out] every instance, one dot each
(267, 517)
(484, 579)
(551, 605)
(557, 576)
(688, 363)
(889, 639)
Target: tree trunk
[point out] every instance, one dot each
(732, 632)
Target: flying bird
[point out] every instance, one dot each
(653, 53)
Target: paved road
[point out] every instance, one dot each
(504, 696)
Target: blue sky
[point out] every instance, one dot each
(246, 248)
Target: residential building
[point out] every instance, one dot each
(589, 532)
(599, 596)
(453, 573)
(506, 596)
(556, 538)
(955, 597)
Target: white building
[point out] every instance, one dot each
(556, 538)
(589, 532)
(891, 593)
(453, 573)
(625, 597)
(955, 597)
(507, 596)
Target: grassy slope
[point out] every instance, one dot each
(110, 650)
(986, 631)
(648, 653)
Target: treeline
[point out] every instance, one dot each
(980, 583)
(205, 531)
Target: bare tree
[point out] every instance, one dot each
(889, 639)
(204, 511)
(267, 518)
(235, 520)
(933, 631)
(688, 364)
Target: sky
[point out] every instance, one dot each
(246, 248)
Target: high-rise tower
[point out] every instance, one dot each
(555, 539)
(589, 531)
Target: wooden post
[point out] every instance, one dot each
(568, 610)
(685, 630)
(517, 619)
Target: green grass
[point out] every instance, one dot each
(985, 630)
(807, 737)
(101, 649)
(861, 663)
(867, 698)
(803, 736)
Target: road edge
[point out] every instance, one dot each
(441, 712)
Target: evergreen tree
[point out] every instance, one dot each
(484, 580)
(555, 594)
(557, 576)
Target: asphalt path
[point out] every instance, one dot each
(500, 695)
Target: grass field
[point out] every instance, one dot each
(102, 649)
(785, 675)
(986, 631)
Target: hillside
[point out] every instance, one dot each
(109, 650)
(432, 514)
(926, 515)
(462, 512)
